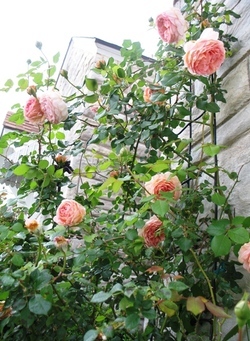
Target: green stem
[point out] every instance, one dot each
(205, 275)
(39, 250)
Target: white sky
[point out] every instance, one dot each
(54, 22)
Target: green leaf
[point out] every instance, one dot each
(38, 77)
(239, 235)
(117, 185)
(218, 199)
(56, 57)
(184, 244)
(178, 286)
(91, 98)
(121, 73)
(40, 278)
(221, 245)
(160, 207)
(43, 164)
(23, 83)
(9, 83)
(21, 169)
(60, 135)
(131, 234)
(38, 305)
(211, 149)
(149, 314)
(218, 227)
(91, 335)
(171, 79)
(100, 297)
(91, 84)
(132, 321)
(6, 281)
(212, 107)
(17, 260)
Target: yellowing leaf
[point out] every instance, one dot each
(195, 305)
(216, 311)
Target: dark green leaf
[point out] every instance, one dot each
(38, 305)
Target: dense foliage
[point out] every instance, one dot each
(158, 262)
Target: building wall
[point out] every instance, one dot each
(233, 121)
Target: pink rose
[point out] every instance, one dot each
(244, 256)
(164, 182)
(171, 25)
(204, 56)
(33, 111)
(69, 213)
(53, 106)
(152, 232)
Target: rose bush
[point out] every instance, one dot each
(143, 249)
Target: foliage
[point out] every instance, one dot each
(107, 284)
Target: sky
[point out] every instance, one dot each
(54, 22)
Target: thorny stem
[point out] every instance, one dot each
(205, 276)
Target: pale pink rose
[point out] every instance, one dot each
(204, 56)
(53, 106)
(164, 182)
(152, 232)
(31, 225)
(69, 213)
(171, 25)
(244, 256)
(33, 111)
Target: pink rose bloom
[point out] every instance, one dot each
(244, 256)
(69, 213)
(171, 25)
(204, 56)
(164, 182)
(33, 111)
(152, 232)
(53, 106)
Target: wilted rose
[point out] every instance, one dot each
(152, 232)
(31, 225)
(204, 56)
(53, 106)
(171, 25)
(69, 213)
(60, 158)
(61, 242)
(164, 182)
(33, 111)
(244, 256)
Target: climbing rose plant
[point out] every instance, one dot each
(146, 247)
